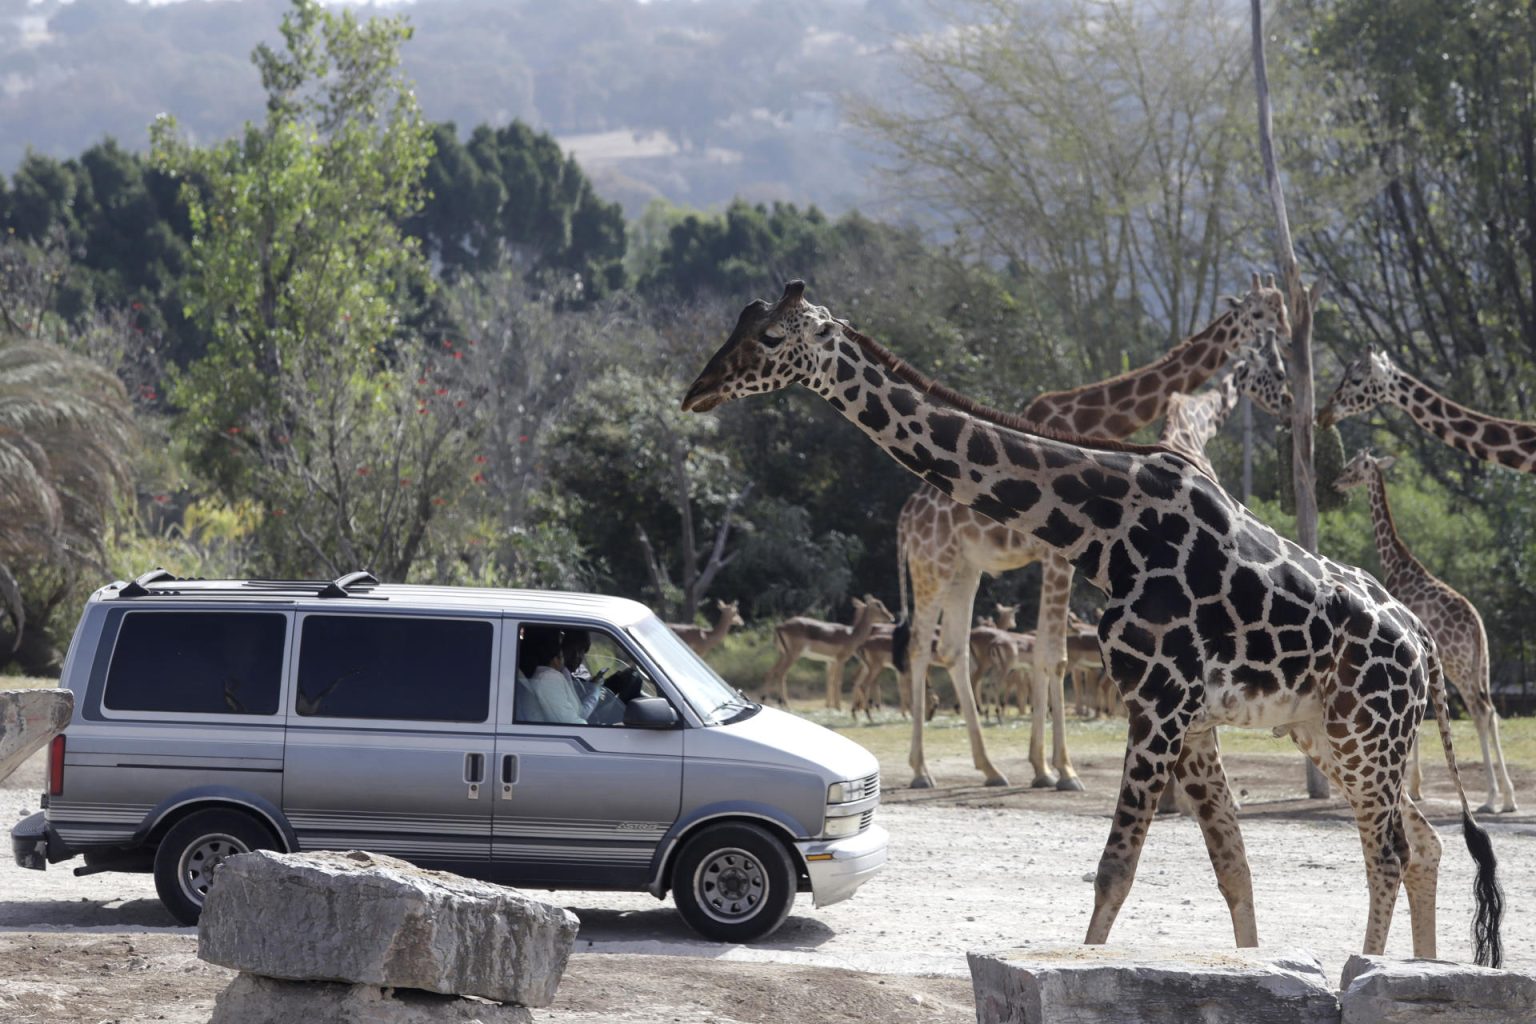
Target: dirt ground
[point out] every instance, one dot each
(970, 869)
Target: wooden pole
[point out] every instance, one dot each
(1302, 302)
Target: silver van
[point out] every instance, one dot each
(218, 716)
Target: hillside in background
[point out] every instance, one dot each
(696, 102)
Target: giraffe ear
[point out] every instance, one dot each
(1386, 462)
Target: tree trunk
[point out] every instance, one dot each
(1302, 303)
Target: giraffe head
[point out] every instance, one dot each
(1357, 471)
(1366, 383)
(771, 347)
(1259, 372)
(1260, 309)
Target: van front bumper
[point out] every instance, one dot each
(838, 867)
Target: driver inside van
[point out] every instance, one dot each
(560, 689)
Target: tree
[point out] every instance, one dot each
(66, 438)
(1097, 149)
(304, 402)
(508, 192)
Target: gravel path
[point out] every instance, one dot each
(970, 869)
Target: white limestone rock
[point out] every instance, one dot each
(366, 919)
(252, 999)
(1376, 990)
(1120, 985)
(28, 720)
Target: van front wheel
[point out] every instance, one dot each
(192, 851)
(734, 883)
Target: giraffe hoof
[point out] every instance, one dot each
(997, 780)
(922, 782)
(1509, 808)
(1070, 784)
(1046, 781)
(1487, 808)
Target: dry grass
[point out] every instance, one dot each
(26, 683)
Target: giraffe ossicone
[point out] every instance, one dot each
(1212, 618)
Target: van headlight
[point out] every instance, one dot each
(837, 828)
(853, 790)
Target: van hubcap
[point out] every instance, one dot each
(202, 858)
(731, 885)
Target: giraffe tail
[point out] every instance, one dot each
(1488, 896)
(901, 635)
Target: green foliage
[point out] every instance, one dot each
(734, 252)
(304, 401)
(510, 192)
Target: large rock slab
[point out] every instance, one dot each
(1376, 990)
(1121, 985)
(251, 999)
(366, 919)
(28, 720)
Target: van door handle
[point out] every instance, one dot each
(474, 774)
(508, 775)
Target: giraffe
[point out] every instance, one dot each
(828, 642)
(1374, 378)
(702, 640)
(944, 547)
(1457, 628)
(1211, 617)
(1192, 420)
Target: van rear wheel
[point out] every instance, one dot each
(734, 883)
(192, 851)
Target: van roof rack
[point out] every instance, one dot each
(352, 584)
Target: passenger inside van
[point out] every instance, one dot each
(551, 694)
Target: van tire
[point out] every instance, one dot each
(734, 883)
(191, 852)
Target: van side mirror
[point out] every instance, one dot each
(649, 713)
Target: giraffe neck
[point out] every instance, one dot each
(1118, 407)
(1071, 497)
(1194, 419)
(1508, 443)
(1397, 562)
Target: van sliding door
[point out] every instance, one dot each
(390, 737)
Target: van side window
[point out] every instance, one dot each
(212, 663)
(410, 669)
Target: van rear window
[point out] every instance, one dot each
(407, 669)
(211, 663)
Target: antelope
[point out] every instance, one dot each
(828, 642)
(702, 640)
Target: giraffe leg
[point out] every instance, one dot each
(1204, 781)
(1421, 877)
(955, 654)
(1505, 785)
(1374, 798)
(1050, 665)
(1415, 773)
(925, 621)
(1152, 746)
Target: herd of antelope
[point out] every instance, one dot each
(1000, 654)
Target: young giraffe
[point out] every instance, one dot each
(1374, 378)
(1457, 628)
(1258, 372)
(1212, 618)
(945, 547)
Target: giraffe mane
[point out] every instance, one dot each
(1167, 357)
(1012, 421)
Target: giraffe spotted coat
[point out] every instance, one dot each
(1212, 618)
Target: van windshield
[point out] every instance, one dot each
(714, 699)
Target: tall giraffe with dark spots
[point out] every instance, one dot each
(1374, 378)
(1212, 618)
(943, 547)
